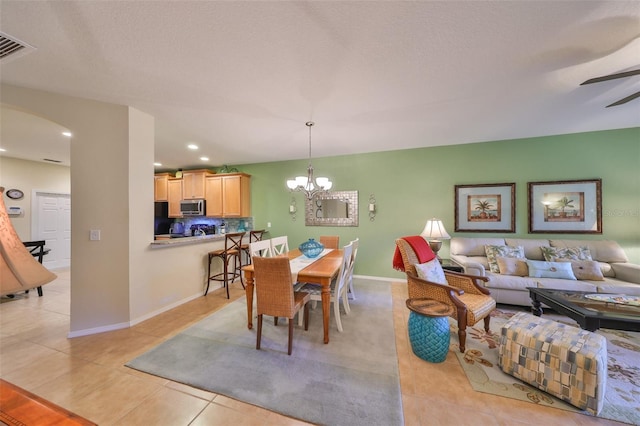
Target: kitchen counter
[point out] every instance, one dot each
(168, 241)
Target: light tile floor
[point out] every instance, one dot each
(87, 375)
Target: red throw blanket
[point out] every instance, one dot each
(420, 246)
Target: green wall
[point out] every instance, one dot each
(411, 186)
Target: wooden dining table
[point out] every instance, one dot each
(322, 272)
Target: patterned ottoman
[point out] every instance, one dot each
(567, 362)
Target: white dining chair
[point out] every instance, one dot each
(279, 245)
(338, 287)
(260, 248)
(350, 293)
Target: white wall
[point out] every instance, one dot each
(28, 176)
(118, 280)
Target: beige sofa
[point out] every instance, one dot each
(620, 276)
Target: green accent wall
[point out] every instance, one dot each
(411, 186)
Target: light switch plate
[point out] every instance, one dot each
(94, 235)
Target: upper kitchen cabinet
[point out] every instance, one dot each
(193, 183)
(161, 192)
(174, 191)
(228, 195)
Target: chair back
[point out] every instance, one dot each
(354, 253)
(274, 286)
(330, 241)
(260, 248)
(409, 257)
(279, 245)
(256, 235)
(342, 281)
(233, 241)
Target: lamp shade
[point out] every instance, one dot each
(19, 270)
(434, 230)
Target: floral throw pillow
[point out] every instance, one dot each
(504, 251)
(552, 254)
(431, 271)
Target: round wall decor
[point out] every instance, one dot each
(15, 194)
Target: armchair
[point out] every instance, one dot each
(470, 301)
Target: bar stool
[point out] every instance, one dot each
(253, 237)
(232, 249)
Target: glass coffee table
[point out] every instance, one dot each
(591, 310)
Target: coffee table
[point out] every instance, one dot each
(590, 314)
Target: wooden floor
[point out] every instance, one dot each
(86, 375)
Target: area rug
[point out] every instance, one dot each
(480, 364)
(352, 380)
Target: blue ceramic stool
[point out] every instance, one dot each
(429, 329)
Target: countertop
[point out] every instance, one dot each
(181, 241)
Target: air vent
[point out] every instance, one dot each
(11, 47)
(51, 161)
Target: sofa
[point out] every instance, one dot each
(598, 266)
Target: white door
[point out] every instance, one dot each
(52, 223)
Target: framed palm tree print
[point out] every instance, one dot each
(487, 207)
(565, 207)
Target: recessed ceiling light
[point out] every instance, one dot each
(157, 164)
(204, 158)
(192, 146)
(67, 134)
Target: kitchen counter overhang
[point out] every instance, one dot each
(183, 241)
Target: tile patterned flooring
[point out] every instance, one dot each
(87, 374)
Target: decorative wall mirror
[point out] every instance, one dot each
(335, 208)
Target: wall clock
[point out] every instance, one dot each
(15, 194)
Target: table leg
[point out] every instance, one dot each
(326, 304)
(249, 290)
(536, 307)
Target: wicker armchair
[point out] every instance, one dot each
(275, 295)
(471, 301)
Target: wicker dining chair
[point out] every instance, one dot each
(330, 241)
(469, 299)
(275, 295)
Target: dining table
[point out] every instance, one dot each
(322, 271)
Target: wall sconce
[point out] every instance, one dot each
(293, 208)
(372, 208)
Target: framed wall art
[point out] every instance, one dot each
(485, 208)
(565, 207)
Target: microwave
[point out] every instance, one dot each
(192, 207)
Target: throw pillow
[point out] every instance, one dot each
(540, 269)
(552, 254)
(512, 266)
(431, 271)
(585, 269)
(504, 251)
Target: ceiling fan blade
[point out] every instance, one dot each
(625, 100)
(611, 77)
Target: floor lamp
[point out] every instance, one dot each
(19, 270)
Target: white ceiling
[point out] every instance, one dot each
(240, 79)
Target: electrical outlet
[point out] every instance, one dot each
(268, 224)
(94, 235)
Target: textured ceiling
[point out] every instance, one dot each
(240, 79)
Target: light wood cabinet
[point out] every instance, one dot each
(174, 192)
(228, 195)
(161, 192)
(193, 184)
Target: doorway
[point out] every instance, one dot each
(51, 221)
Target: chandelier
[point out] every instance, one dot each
(309, 185)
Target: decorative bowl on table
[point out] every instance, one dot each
(311, 248)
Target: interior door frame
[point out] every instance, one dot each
(35, 211)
